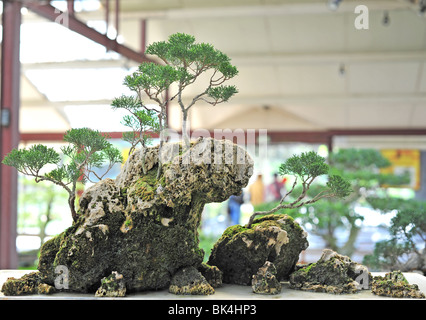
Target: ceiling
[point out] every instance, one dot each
(302, 66)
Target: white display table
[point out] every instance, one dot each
(226, 292)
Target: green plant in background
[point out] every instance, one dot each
(305, 169)
(37, 205)
(360, 167)
(88, 149)
(405, 250)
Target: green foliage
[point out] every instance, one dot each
(362, 166)
(221, 93)
(152, 79)
(143, 122)
(31, 161)
(386, 254)
(87, 149)
(307, 165)
(310, 165)
(339, 186)
(407, 230)
(356, 159)
(185, 61)
(306, 168)
(191, 59)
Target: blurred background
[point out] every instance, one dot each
(346, 79)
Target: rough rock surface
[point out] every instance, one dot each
(189, 281)
(143, 227)
(265, 280)
(28, 284)
(332, 273)
(241, 251)
(112, 286)
(394, 284)
(212, 274)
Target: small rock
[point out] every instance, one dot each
(188, 281)
(265, 281)
(332, 273)
(395, 285)
(212, 274)
(112, 286)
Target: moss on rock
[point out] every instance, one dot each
(144, 228)
(395, 285)
(265, 280)
(241, 251)
(31, 283)
(332, 273)
(189, 281)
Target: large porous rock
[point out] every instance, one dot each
(144, 225)
(241, 251)
(332, 273)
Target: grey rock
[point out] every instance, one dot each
(143, 227)
(265, 280)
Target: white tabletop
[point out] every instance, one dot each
(226, 292)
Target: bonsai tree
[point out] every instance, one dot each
(184, 63)
(143, 123)
(88, 149)
(305, 169)
(361, 167)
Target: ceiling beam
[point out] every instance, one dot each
(292, 8)
(71, 22)
(256, 59)
(274, 136)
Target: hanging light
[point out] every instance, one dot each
(422, 7)
(334, 4)
(386, 19)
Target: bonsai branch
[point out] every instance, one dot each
(307, 167)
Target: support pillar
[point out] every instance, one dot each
(9, 131)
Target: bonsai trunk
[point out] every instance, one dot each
(71, 203)
(185, 136)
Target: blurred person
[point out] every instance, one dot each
(257, 191)
(234, 208)
(276, 189)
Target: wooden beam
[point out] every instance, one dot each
(322, 137)
(51, 13)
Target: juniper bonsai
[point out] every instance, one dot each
(184, 62)
(87, 149)
(142, 122)
(306, 168)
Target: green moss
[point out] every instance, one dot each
(395, 285)
(143, 190)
